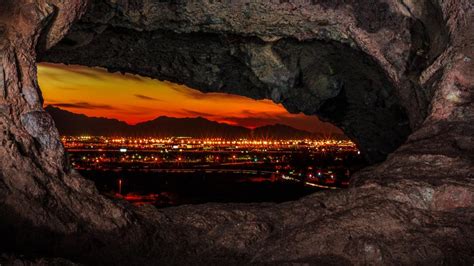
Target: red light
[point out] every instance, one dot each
(120, 186)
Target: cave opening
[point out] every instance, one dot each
(161, 143)
(331, 80)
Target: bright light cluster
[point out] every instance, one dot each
(193, 143)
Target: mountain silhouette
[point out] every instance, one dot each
(73, 124)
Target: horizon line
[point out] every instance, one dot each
(225, 123)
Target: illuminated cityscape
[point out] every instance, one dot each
(177, 170)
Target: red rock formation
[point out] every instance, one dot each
(412, 58)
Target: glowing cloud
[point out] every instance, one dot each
(133, 99)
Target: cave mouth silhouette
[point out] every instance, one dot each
(335, 82)
(395, 76)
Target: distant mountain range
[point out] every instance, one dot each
(73, 124)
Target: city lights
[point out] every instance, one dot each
(307, 163)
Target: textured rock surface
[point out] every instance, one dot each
(382, 70)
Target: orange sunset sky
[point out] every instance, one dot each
(133, 99)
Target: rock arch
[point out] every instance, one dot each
(383, 71)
